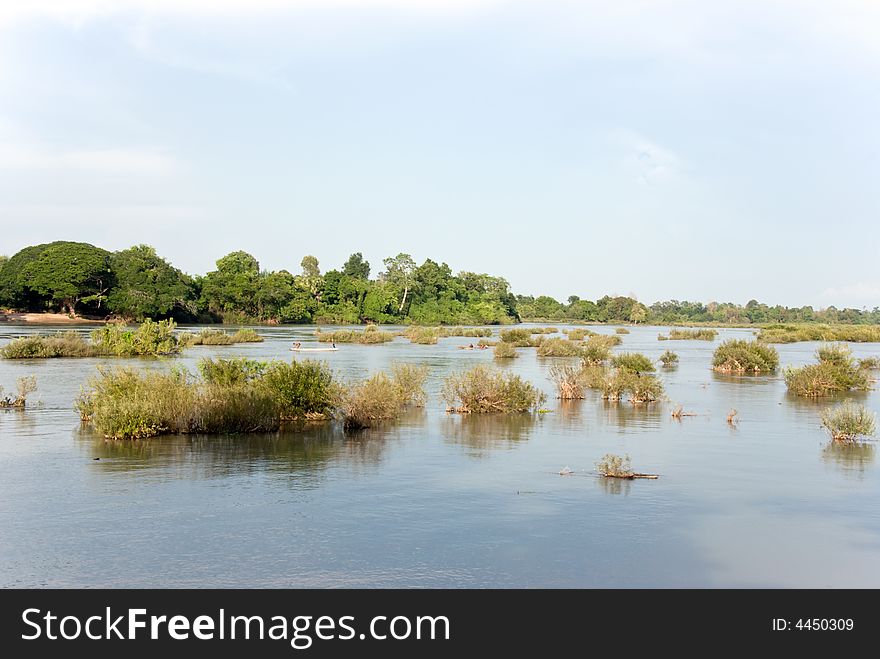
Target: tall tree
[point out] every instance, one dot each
(356, 267)
(399, 271)
(147, 286)
(233, 286)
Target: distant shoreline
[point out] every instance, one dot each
(14, 318)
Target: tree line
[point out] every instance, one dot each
(136, 284)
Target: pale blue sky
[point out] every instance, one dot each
(689, 150)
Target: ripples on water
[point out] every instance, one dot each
(445, 501)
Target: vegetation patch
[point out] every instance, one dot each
(559, 347)
(231, 396)
(796, 333)
(517, 336)
(383, 397)
(739, 356)
(621, 330)
(505, 350)
(24, 386)
(633, 361)
(869, 363)
(689, 335)
(849, 421)
(111, 340)
(615, 466)
(544, 330)
(484, 390)
(836, 371)
(569, 381)
(669, 359)
(577, 334)
(370, 335)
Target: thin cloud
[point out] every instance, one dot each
(105, 161)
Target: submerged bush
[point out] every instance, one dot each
(505, 350)
(577, 334)
(62, 344)
(382, 397)
(518, 336)
(669, 359)
(595, 350)
(559, 347)
(739, 356)
(621, 330)
(836, 372)
(24, 386)
(869, 363)
(247, 335)
(232, 396)
(617, 383)
(544, 330)
(484, 390)
(690, 335)
(633, 361)
(370, 335)
(795, 333)
(569, 381)
(423, 335)
(615, 466)
(848, 421)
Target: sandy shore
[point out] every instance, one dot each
(45, 319)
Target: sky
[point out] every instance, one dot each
(672, 149)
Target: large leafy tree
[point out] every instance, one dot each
(356, 267)
(147, 286)
(233, 286)
(399, 271)
(59, 275)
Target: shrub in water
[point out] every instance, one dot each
(633, 361)
(484, 390)
(63, 344)
(300, 389)
(691, 335)
(25, 386)
(794, 333)
(544, 330)
(869, 363)
(848, 421)
(382, 397)
(615, 466)
(569, 381)
(518, 336)
(669, 359)
(505, 350)
(559, 347)
(836, 372)
(738, 356)
(595, 350)
(578, 334)
(621, 330)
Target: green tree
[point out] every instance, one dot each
(233, 286)
(62, 274)
(147, 286)
(356, 267)
(399, 271)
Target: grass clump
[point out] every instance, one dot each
(621, 330)
(848, 421)
(505, 350)
(423, 335)
(577, 334)
(483, 390)
(836, 371)
(518, 336)
(247, 335)
(62, 344)
(486, 343)
(24, 387)
(739, 356)
(596, 350)
(544, 330)
(633, 361)
(615, 466)
(569, 381)
(669, 359)
(231, 396)
(371, 335)
(383, 397)
(689, 335)
(618, 383)
(796, 333)
(472, 332)
(559, 347)
(869, 363)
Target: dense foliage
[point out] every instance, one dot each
(136, 284)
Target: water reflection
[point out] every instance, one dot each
(850, 457)
(624, 415)
(483, 433)
(615, 486)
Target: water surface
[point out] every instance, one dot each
(445, 501)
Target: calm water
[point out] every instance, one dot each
(444, 501)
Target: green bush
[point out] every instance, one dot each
(518, 336)
(615, 466)
(232, 396)
(848, 421)
(382, 397)
(63, 344)
(617, 383)
(795, 333)
(739, 356)
(633, 361)
(621, 330)
(559, 347)
(578, 334)
(836, 372)
(483, 390)
(869, 363)
(370, 335)
(247, 335)
(596, 350)
(544, 330)
(505, 350)
(669, 359)
(690, 335)
(423, 335)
